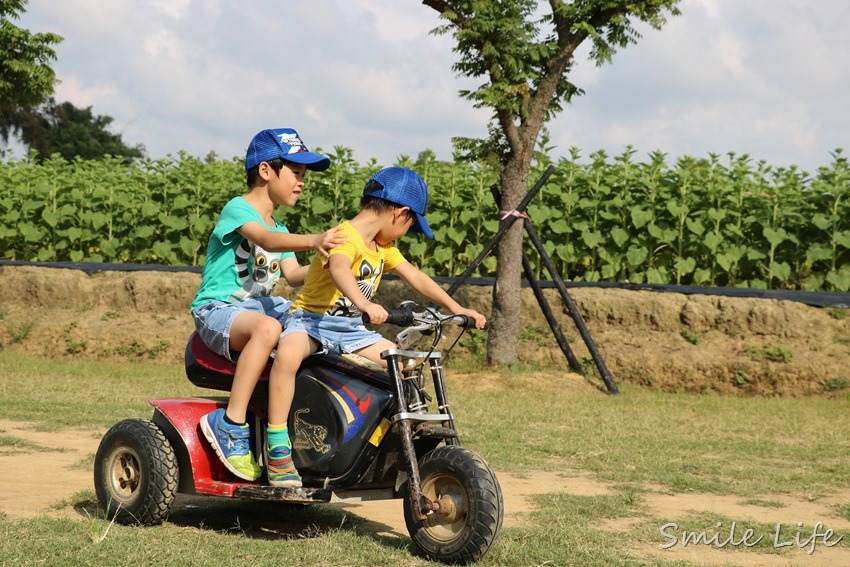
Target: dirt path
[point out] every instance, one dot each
(44, 470)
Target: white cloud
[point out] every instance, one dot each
(764, 77)
(175, 9)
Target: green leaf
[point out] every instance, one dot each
(321, 206)
(620, 236)
(591, 238)
(74, 234)
(110, 248)
(181, 203)
(417, 248)
(821, 221)
(712, 241)
(144, 232)
(813, 282)
(455, 235)
(188, 246)
(843, 238)
(781, 271)
(98, 220)
(637, 256)
(775, 237)
(656, 276)
(162, 250)
(640, 216)
(442, 255)
(818, 252)
(715, 214)
(840, 280)
(695, 226)
(150, 209)
(702, 276)
(727, 260)
(664, 235)
(685, 266)
(173, 222)
(610, 271)
(30, 205)
(560, 226)
(676, 209)
(31, 233)
(50, 217)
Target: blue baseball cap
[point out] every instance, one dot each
(403, 187)
(282, 143)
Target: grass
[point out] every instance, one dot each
(637, 443)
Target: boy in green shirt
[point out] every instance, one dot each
(234, 309)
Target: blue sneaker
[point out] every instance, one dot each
(231, 444)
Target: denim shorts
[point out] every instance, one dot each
(335, 334)
(214, 319)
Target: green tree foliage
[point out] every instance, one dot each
(26, 78)
(523, 53)
(70, 132)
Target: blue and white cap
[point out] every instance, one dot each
(282, 143)
(402, 186)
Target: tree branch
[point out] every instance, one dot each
(442, 7)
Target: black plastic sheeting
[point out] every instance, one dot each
(815, 298)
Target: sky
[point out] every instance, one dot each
(767, 78)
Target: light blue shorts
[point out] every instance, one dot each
(214, 319)
(335, 334)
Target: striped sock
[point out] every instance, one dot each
(281, 469)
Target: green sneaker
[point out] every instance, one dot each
(231, 444)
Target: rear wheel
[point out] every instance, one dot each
(135, 473)
(471, 506)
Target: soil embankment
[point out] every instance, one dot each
(668, 341)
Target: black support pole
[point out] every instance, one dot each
(570, 305)
(572, 309)
(564, 345)
(503, 228)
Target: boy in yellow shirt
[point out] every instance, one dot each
(338, 289)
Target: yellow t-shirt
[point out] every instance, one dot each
(320, 295)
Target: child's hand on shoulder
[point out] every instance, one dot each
(328, 240)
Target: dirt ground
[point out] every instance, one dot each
(653, 340)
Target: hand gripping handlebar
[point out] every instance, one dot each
(405, 316)
(401, 316)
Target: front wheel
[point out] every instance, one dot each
(471, 506)
(135, 473)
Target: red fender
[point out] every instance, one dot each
(209, 474)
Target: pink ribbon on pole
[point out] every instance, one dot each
(513, 213)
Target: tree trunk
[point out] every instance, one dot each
(504, 328)
(503, 337)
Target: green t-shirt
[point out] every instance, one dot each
(236, 269)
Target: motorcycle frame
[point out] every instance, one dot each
(179, 417)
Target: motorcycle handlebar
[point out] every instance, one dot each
(469, 323)
(403, 316)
